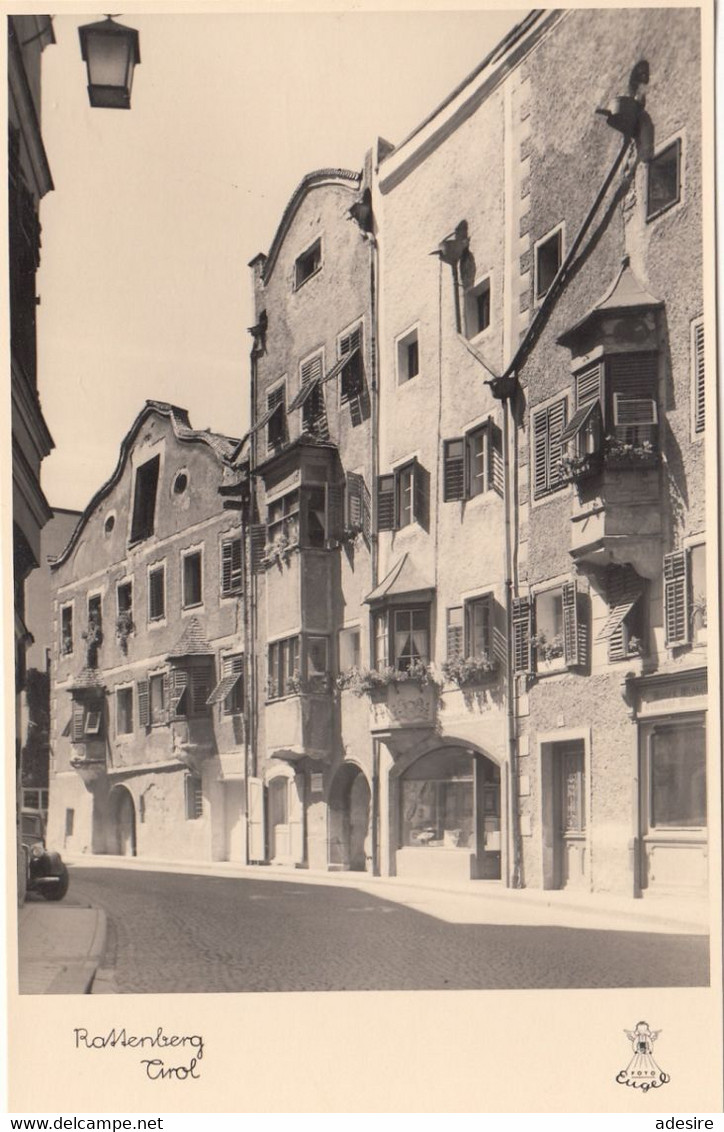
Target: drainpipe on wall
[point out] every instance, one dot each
(250, 604)
(375, 406)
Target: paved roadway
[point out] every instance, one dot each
(169, 932)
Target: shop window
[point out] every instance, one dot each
(548, 425)
(698, 376)
(437, 802)
(144, 499)
(194, 797)
(664, 180)
(548, 259)
(477, 309)
(284, 674)
(403, 498)
(625, 627)
(402, 637)
(352, 379)
(677, 776)
(231, 566)
(350, 652)
(124, 711)
(66, 630)
(473, 464)
(192, 579)
(157, 593)
(308, 264)
(408, 357)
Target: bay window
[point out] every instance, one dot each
(401, 637)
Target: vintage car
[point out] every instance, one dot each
(45, 870)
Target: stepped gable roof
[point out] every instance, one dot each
(224, 448)
(626, 294)
(193, 641)
(318, 177)
(403, 579)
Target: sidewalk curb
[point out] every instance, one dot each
(676, 921)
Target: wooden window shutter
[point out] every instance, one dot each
(78, 722)
(453, 470)
(421, 495)
(588, 385)
(522, 634)
(540, 453)
(199, 689)
(556, 423)
(335, 510)
(500, 638)
(575, 628)
(699, 377)
(257, 538)
(385, 503)
(174, 689)
(311, 370)
(167, 694)
(676, 598)
(495, 458)
(230, 566)
(455, 633)
(143, 704)
(353, 500)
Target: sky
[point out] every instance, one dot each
(144, 280)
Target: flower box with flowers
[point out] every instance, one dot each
(398, 698)
(618, 454)
(549, 651)
(468, 671)
(278, 550)
(573, 469)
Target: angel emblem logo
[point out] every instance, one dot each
(642, 1072)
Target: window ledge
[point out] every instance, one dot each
(191, 608)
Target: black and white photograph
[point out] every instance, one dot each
(364, 532)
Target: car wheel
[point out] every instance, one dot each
(58, 891)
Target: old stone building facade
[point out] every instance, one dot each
(148, 737)
(474, 610)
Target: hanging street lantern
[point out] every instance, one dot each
(110, 52)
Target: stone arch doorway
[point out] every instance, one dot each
(123, 822)
(449, 815)
(350, 811)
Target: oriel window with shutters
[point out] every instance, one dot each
(625, 626)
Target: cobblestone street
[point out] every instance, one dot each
(171, 933)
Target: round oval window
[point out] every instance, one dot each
(109, 524)
(180, 483)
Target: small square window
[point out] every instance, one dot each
(664, 180)
(308, 264)
(192, 580)
(477, 309)
(408, 357)
(548, 259)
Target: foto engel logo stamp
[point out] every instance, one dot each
(642, 1072)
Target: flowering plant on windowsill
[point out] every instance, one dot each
(572, 469)
(468, 670)
(619, 454)
(124, 628)
(278, 550)
(363, 681)
(698, 611)
(548, 650)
